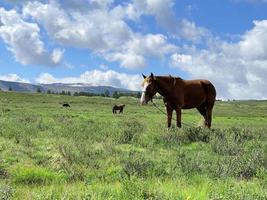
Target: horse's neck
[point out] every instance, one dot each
(163, 86)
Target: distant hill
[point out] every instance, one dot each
(59, 87)
(19, 87)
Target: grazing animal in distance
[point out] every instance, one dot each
(180, 94)
(119, 107)
(65, 105)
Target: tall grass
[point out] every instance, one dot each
(86, 152)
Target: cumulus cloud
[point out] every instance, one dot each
(238, 70)
(97, 25)
(13, 78)
(141, 46)
(128, 60)
(97, 77)
(96, 30)
(57, 55)
(190, 31)
(163, 12)
(23, 40)
(255, 39)
(151, 45)
(102, 30)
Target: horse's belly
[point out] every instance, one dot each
(193, 101)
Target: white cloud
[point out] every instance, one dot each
(46, 78)
(96, 30)
(238, 70)
(128, 60)
(151, 45)
(97, 77)
(57, 55)
(188, 30)
(23, 40)
(163, 12)
(102, 30)
(161, 9)
(255, 39)
(141, 46)
(13, 78)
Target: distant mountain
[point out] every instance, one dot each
(19, 87)
(59, 87)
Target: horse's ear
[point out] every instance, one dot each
(152, 75)
(144, 76)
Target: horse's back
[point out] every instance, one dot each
(200, 84)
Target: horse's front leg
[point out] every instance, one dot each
(169, 116)
(178, 117)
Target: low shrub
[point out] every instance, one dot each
(138, 189)
(136, 164)
(184, 136)
(245, 164)
(131, 131)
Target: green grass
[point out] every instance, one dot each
(86, 152)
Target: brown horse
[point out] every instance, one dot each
(119, 107)
(180, 94)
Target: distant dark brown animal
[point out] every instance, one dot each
(180, 94)
(119, 107)
(65, 105)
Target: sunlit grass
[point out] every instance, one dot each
(86, 152)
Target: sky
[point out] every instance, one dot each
(112, 42)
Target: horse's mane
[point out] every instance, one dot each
(175, 78)
(170, 76)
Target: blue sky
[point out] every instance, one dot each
(111, 42)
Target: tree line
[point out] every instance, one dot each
(106, 93)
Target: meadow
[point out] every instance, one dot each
(86, 152)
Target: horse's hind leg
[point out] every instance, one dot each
(209, 114)
(202, 109)
(178, 117)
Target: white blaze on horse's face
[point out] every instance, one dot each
(143, 97)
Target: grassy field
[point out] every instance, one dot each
(86, 152)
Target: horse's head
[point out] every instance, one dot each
(149, 89)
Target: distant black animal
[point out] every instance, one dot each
(119, 107)
(65, 105)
